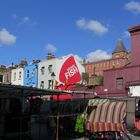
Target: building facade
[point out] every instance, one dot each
(2, 69)
(59, 70)
(120, 58)
(8, 74)
(31, 75)
(17, 76)
(123, 81)
(126, 79)
(45, 69)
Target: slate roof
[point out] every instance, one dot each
(120, 47)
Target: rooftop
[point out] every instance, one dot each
(120, 47)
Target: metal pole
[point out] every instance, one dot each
(52, 84)
(20, 116)
(84, 118)
(57, 119)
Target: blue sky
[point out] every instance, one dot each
(29, 29)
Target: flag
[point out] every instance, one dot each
(55, 83)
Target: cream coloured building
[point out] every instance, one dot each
(60, 70)
(17, 76)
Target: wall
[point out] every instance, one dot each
(17, 76)
(46, 76)
(130, 75)
(31, 75)
(135, 44)
(99, 66)
(7, 76)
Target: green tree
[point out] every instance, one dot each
(100, 79)
(85, 78)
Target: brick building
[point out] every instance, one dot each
(123, 81)
(127, 79)
(120, 57)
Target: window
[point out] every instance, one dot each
(50, 68)
(119, 83)
(42, 84)
(49, 84)
(7, 78)
(14, 76)
(20, 75)
(117, 61)
(27, 73)
(117, 56)
(33, 72)
(43, 70)
(107, 64)
(1, 78)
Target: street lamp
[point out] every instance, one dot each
(52, 78)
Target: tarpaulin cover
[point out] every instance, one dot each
(62, 96)
(105, 115)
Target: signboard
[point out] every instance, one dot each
(134, 90)
(69, 72)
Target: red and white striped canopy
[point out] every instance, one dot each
(106, 116)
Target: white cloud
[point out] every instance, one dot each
(77, 57)
(81, 23)
(23, 20)
(51, 48)
(125, 34)
(6, 38)
(133, 6)
(92, 25)
(97, 55)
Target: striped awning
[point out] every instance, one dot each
(106, 115)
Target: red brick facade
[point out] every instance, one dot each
(119, 59)
(119, 80)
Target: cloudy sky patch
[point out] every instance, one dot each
(23, 20)
(125, 34)
(93, 25)
(50, 48)
(97, 55)
(133, 6)
(6, 38)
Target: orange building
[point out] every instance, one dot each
(120, 58)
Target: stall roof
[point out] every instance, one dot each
(23, 91)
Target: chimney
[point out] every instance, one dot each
(36, 61)
(23, 63)
(50, 56)
(135, 44)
